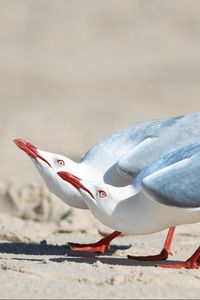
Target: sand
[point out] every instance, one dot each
(72, 72)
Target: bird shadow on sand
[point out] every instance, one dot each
(32, 249)
(66, 255)
(47, 249)
(113, 261)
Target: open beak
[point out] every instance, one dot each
(75, 181)
(30, 149)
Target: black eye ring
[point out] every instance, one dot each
(102, 194)
(60, 162)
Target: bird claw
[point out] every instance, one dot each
(184, 265)
(192, 263)
(91, 248)
(162, 256)
(98, 247)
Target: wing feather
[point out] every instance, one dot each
(175, 181)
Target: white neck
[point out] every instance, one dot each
(124, 192)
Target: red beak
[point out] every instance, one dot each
(29, 149)
(75, 181)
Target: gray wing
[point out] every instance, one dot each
(175, 180)
(172, 135)
(114, 150)
(131, 149)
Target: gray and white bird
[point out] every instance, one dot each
(115, 160)
(165, 194)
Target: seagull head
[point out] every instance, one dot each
(49, 165)
(103, 200)
(99, 197)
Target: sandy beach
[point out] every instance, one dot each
(72, 72)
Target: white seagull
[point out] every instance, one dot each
(165, 194)
(115, 160)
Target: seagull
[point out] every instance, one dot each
(165, 194)
(115, 160)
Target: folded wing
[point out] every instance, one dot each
(175, 179)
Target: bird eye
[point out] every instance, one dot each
(60, 162)
(102, 194)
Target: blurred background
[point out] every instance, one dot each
(73, 71)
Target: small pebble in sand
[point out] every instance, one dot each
(45, 261)
(97, 264)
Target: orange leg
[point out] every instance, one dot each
(99, 247)
(163, 254)
(192, 263)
